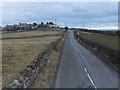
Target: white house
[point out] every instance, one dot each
(52, 26)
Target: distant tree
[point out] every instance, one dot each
(34, 24)
(42, 24)
(47, 23)
(66, 28)
(51, 23)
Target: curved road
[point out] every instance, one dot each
(80, 68)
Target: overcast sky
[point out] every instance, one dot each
(94, 14)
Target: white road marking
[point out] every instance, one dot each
(90, 79)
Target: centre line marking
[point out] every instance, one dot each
(90, 79)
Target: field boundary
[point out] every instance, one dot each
(26, 37)
(25, 78)
(113, 33)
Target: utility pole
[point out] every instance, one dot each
(55, 22)
(83, 24)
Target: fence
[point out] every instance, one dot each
(25, 78)
(112, 54)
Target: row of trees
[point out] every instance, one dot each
(42, 24)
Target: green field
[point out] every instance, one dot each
(106, 40)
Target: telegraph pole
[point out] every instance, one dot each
(55, 22)
(83, 24)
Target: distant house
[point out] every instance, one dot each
(10, 27)
(49, 25)
(27, 27)
(34, 27)
(24, 26)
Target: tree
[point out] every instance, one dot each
(51, 23)
(66, 28)
(42, 24)
(34, 24)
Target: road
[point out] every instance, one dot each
(80, 68)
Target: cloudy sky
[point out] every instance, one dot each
(94, 14)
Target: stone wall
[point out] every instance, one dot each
(25, 78)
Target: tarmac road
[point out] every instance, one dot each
(80, 68)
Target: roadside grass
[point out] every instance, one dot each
(46, 78)
(106, 40)
(42, 31)
(105, 58)
(108, 60)
(17, 54)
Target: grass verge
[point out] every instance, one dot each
(102, 56)
(103, 39)
(46, 78)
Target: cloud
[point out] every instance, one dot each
(95, 14)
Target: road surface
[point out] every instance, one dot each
(80, 68)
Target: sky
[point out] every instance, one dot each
(94, 14)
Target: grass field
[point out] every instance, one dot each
(106, 40)
(31, 33)
(18, 53)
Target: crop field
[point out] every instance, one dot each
(106, 40)
(18, 53)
